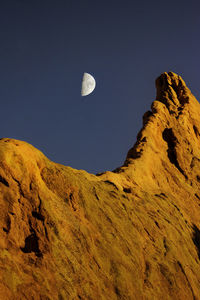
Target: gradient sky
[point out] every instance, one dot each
(47, 45)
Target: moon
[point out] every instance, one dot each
(88, 84)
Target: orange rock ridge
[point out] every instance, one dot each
(133, 233)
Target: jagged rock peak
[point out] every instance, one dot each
(172, 91)
(170, 136)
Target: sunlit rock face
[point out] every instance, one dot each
(133, 233)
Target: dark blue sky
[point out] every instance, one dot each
(47, 45)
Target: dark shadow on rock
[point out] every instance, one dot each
(171, 140)
(31, 245)
(196, 238)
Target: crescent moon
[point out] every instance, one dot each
(88, 84)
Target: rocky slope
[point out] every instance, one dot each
(133, 233)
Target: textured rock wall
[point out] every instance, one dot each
(133, 233)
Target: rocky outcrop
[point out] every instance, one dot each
(133, 233)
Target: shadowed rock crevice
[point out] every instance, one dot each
(196, 238)
(32, 241)
(196, 131)
(171, 140)
(19, 186)
(38, 215)
(32, 245)
(8, 224)
(111, 183)
(187, 280)
(4, 181)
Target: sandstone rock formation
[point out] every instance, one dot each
(133, 233)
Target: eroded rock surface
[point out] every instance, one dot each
(133, 233)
